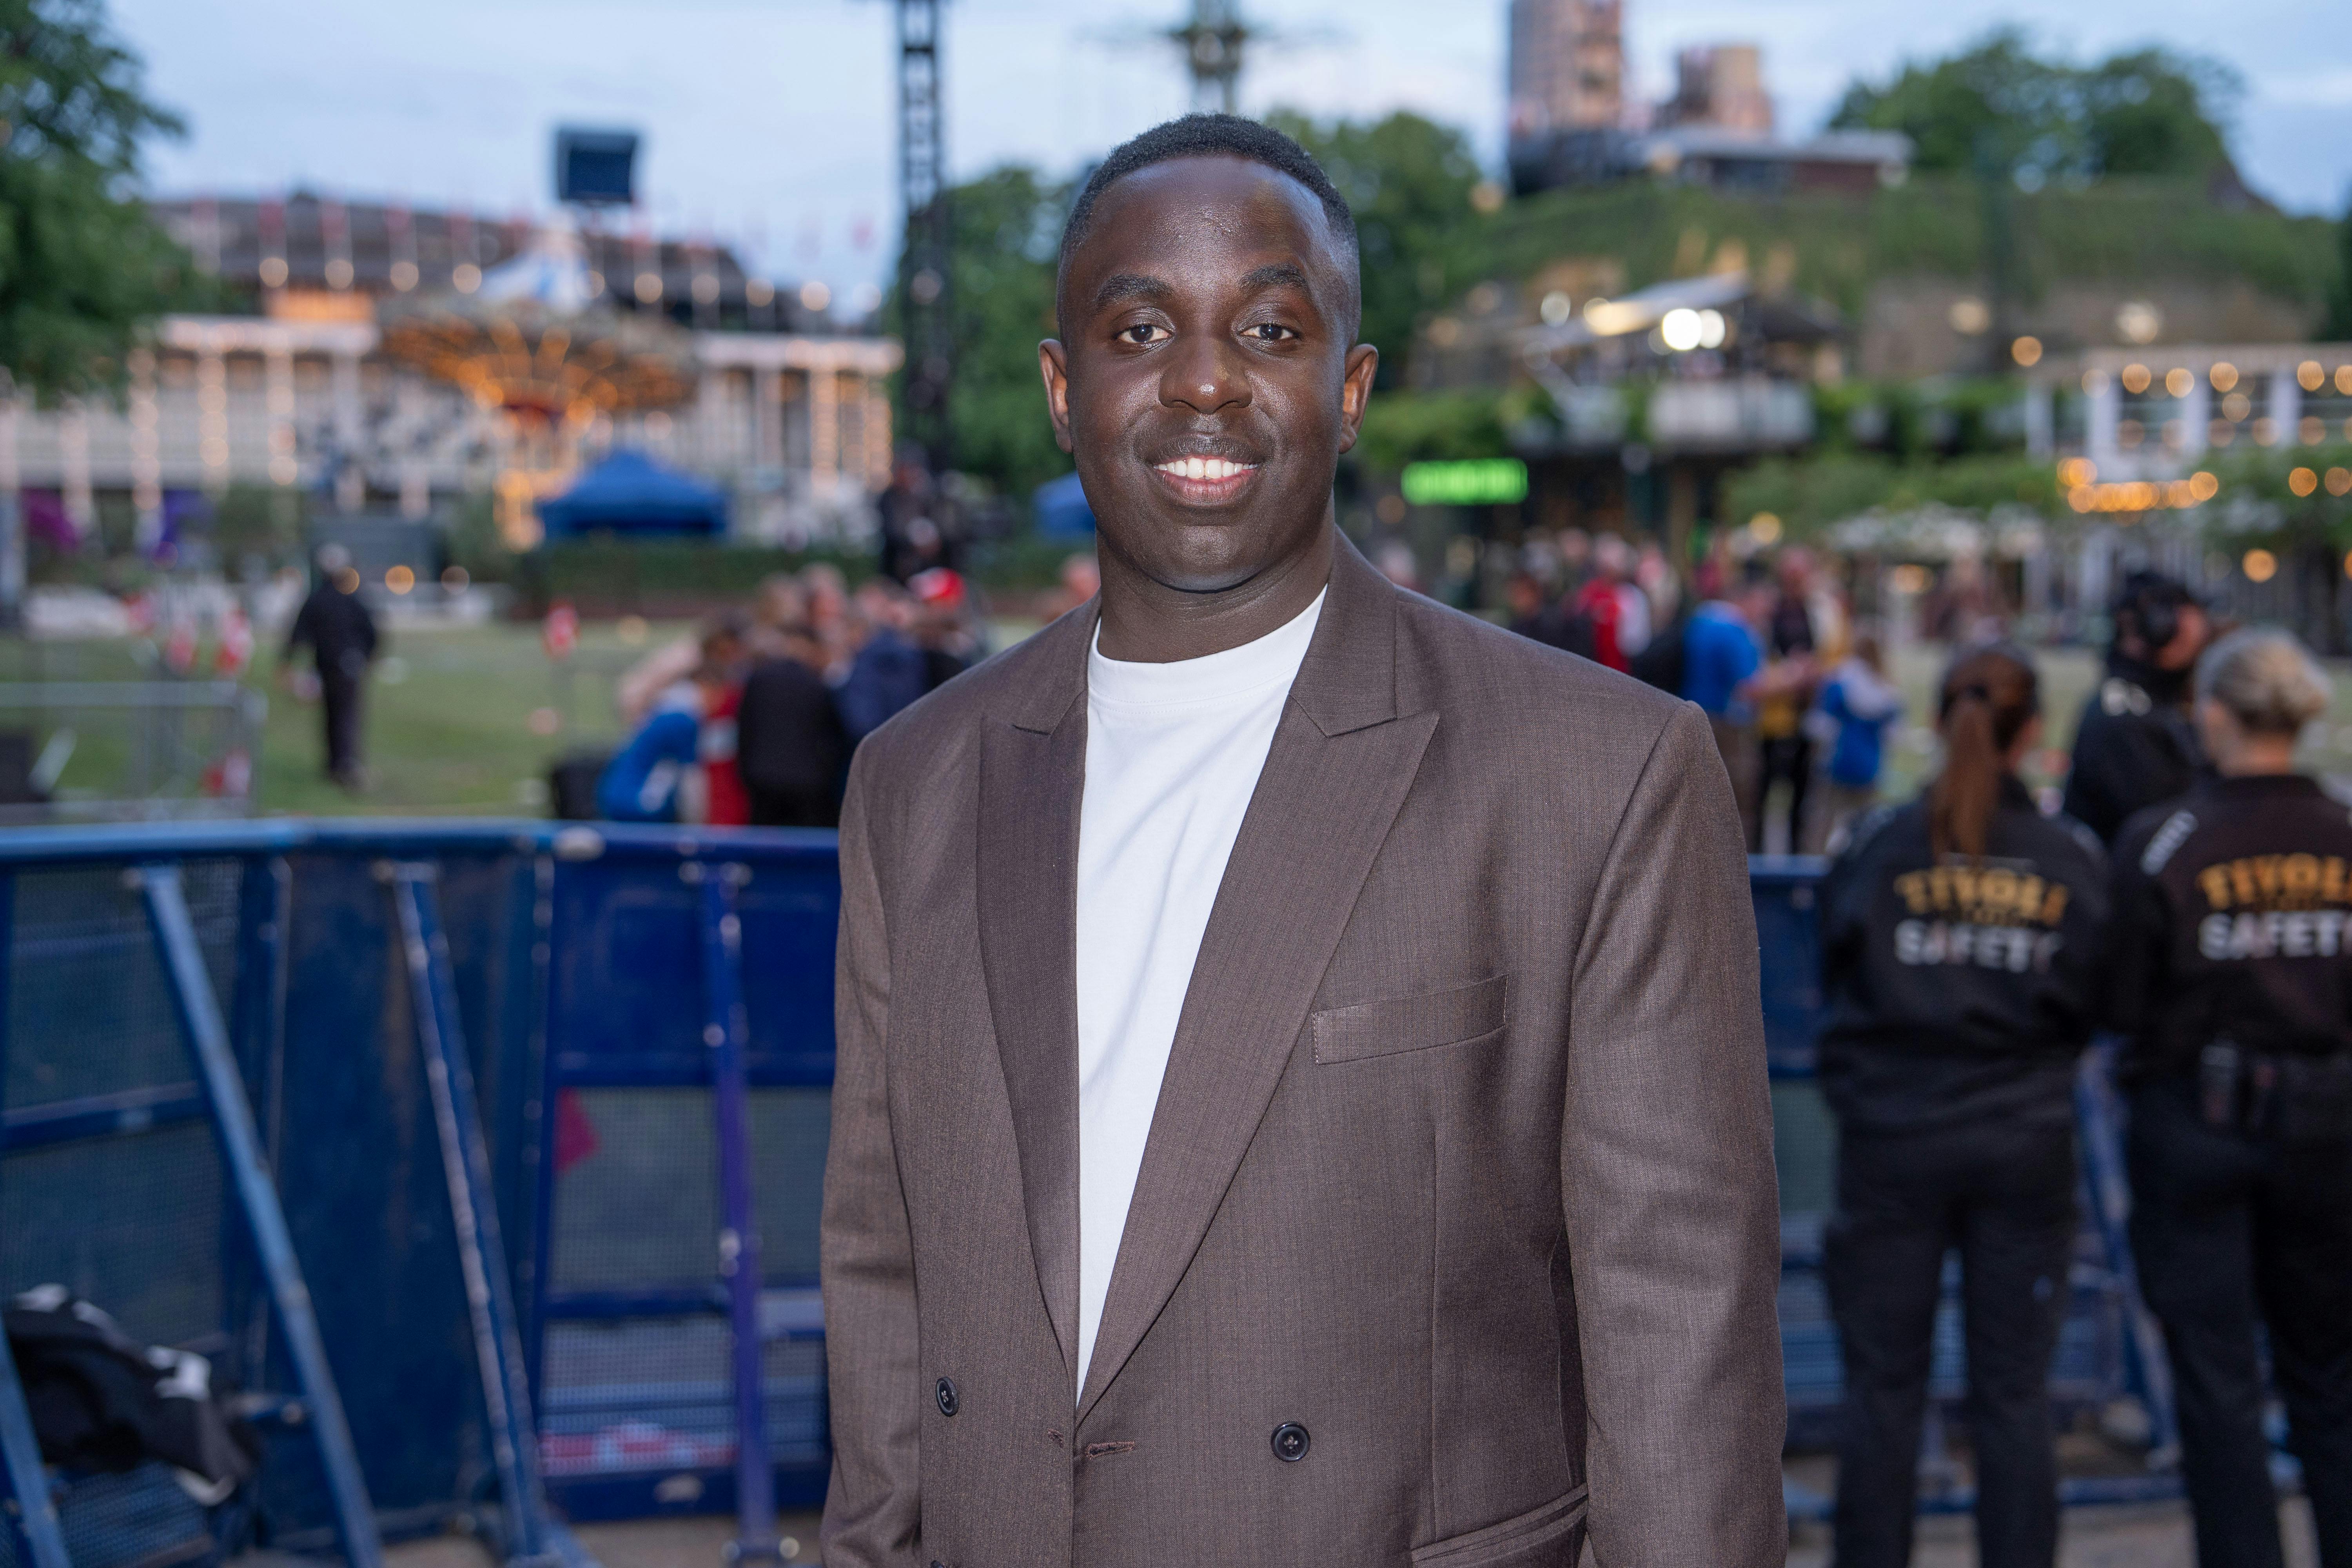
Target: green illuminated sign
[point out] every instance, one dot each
(1482, 481)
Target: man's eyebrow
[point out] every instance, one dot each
(1277, 274)
(1121, 286)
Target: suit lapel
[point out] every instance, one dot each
(1033, 769)
(1338, 770)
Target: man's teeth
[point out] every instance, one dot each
(1203, 467)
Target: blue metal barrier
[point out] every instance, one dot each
(407, 1006)
(514, 1087)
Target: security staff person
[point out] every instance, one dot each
(1959, 940)
(2233, 979)
(2134, 746)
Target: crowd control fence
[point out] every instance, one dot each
(484, 1161)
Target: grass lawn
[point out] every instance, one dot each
(450, 718)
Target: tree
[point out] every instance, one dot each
(2338, 325)
(1410, 182)
(2000, 108)
(1004, 229)
(81, 264)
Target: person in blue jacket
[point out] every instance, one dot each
(641, 784)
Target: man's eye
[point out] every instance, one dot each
(1142, 333)
(1267, 332)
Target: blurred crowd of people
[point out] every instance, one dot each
(752, 721)
(1797, 694)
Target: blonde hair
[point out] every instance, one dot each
(2265, 679)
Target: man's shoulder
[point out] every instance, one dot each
(934, 732)
(1455, 661)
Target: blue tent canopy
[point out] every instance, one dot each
(1061, 510)
(628, 493)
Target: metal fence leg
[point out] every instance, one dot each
(531, 1535)
(34, 1514)
(232, 1116)
(2104, 1177)
(723, 1031)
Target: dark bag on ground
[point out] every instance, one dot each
(572, 785)
(101, 1401)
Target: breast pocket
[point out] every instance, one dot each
(1456, 1016)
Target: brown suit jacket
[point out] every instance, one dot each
(1462, 1162)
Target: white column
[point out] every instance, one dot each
(2106, 403)
(767, 418)
(351, 477)
(212, 417)
(146, 460)
(73, 444)
(2041, 433)
(277, 380)
(415, 475)
(2196, 412)
(825, 430)
(878, 435)
(2287, 405)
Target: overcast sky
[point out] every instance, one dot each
(772, 122)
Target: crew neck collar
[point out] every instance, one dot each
(1264, 661)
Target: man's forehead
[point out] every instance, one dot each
(1195, 198)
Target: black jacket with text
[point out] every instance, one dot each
(1959, 989)
(2234, 918)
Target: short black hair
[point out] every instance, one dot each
(1210, 136)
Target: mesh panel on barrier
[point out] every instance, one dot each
(131, 1223)
(656, 1393)
(640, 1206)
(138, 1520)
(90, 1010)
(130, 1215)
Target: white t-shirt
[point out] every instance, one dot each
(1173, 753)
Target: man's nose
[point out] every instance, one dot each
(1204, 376)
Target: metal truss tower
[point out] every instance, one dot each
(925, 277)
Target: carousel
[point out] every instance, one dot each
(536, 345)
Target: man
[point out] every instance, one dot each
(2135, 747)
(887, 672)
(342, 638)
(1300, 1093)
(789, 740)
(1723, 649)
(1618, 614)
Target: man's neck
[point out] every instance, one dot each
(1148, 622)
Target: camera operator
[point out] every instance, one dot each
(2135, 747)
(1960, 938)
(2232, 978)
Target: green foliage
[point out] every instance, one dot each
(2338, 325)
(81, 264)
(2258, 503)
(2126, 231)
(1811, 494)
(1402, 427)
(1408, 180)
(1999, 108)
(1003, 230)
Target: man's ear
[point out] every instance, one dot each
(1355, 392)
(1054, 364)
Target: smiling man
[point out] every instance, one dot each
(1301, 1090)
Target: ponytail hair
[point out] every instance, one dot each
(1988, 698)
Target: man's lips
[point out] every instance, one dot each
(1206, 479)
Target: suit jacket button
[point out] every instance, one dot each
(946, 1395)
(1290, 1440)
